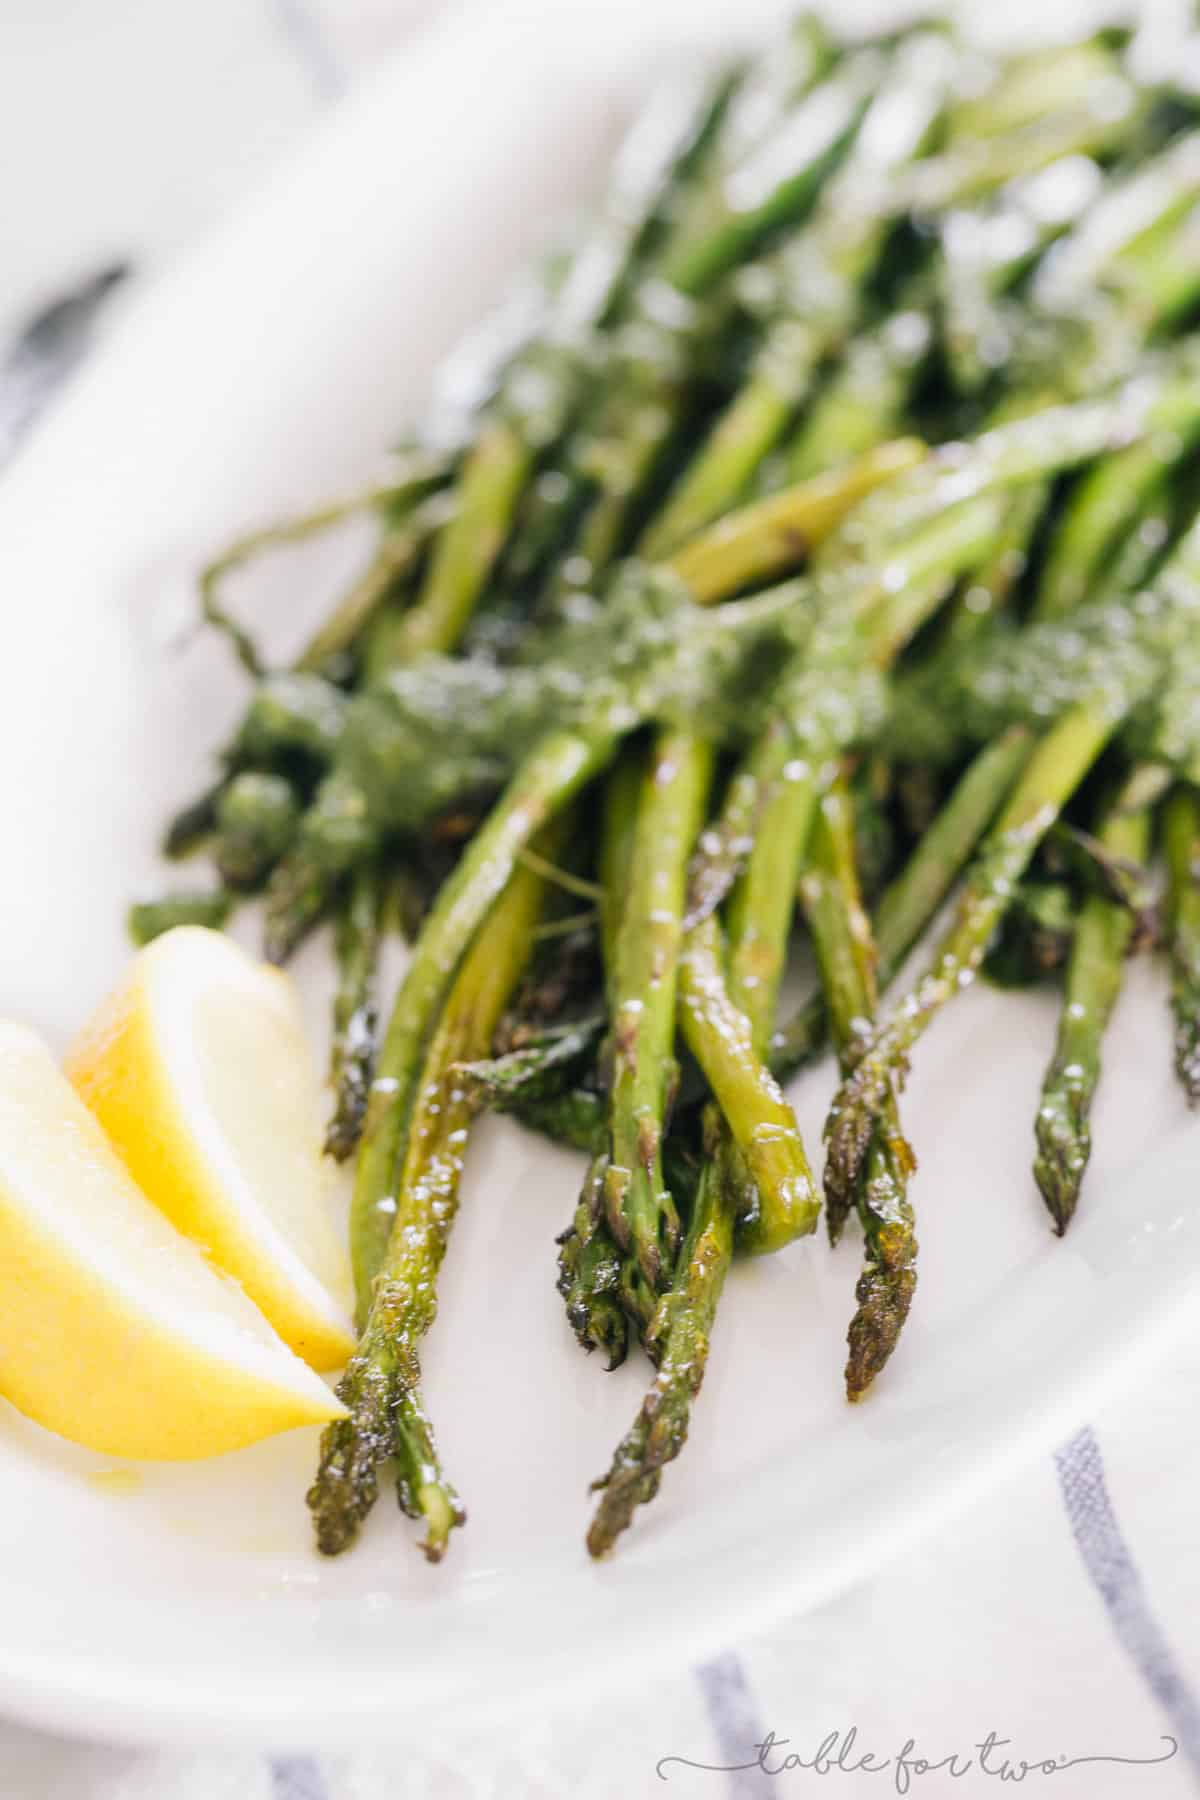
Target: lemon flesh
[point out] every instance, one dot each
(114, 1330)
(198, 1070)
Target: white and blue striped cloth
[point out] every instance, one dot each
(1060, 1618)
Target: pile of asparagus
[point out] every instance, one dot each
(679, 640)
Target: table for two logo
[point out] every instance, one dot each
(839, 1753)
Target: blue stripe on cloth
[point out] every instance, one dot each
(733, 1715)
(297, 1778)
(1110, 1564)
(307, 38)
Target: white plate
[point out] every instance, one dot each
(165, 1601)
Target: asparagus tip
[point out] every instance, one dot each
(1063, 1148)
(345, 1487)
(442, 1511)
(884, 1298)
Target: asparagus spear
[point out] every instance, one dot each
(1181, 845)
(830, 694)
(762, 1125)
(540, 1068)
(846, 954)
(546, 381)
(1101, 942)
(816, 290)
(1091, 681)
(867, 397)
(544, 785)
(356, 943)
(412, 511)
(987, 590)
(640, 1210)
(589, 1261)
(759, 187)
(986, 250)
(767, 536)
(680, 1330)
(772, 185)
(912, 899)
(1102, 511)
(355, 616)
(1058, 764)
(381, 1385)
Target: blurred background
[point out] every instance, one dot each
(129, 128)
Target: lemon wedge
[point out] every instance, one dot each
(114, 1330)
(198, 1070)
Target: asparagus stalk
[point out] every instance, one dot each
(1058, 764)
(1181, 845)
(987, 590)
(540, 1068)
(543, 786)
(546, 381)
(911, 901)
(1103, 510)
(356, 622)
(864, 617)
(762, 1125)
(640, 1210)
(381, 1385)
(291, 714)
(846, 954)
(589, 1260)
(681, 1330)
(1101, 942)
(818, 288)
(972, 167)
(638, 405)
(867, 396)
(352, 1056)
(773, 185)
(765, 537)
